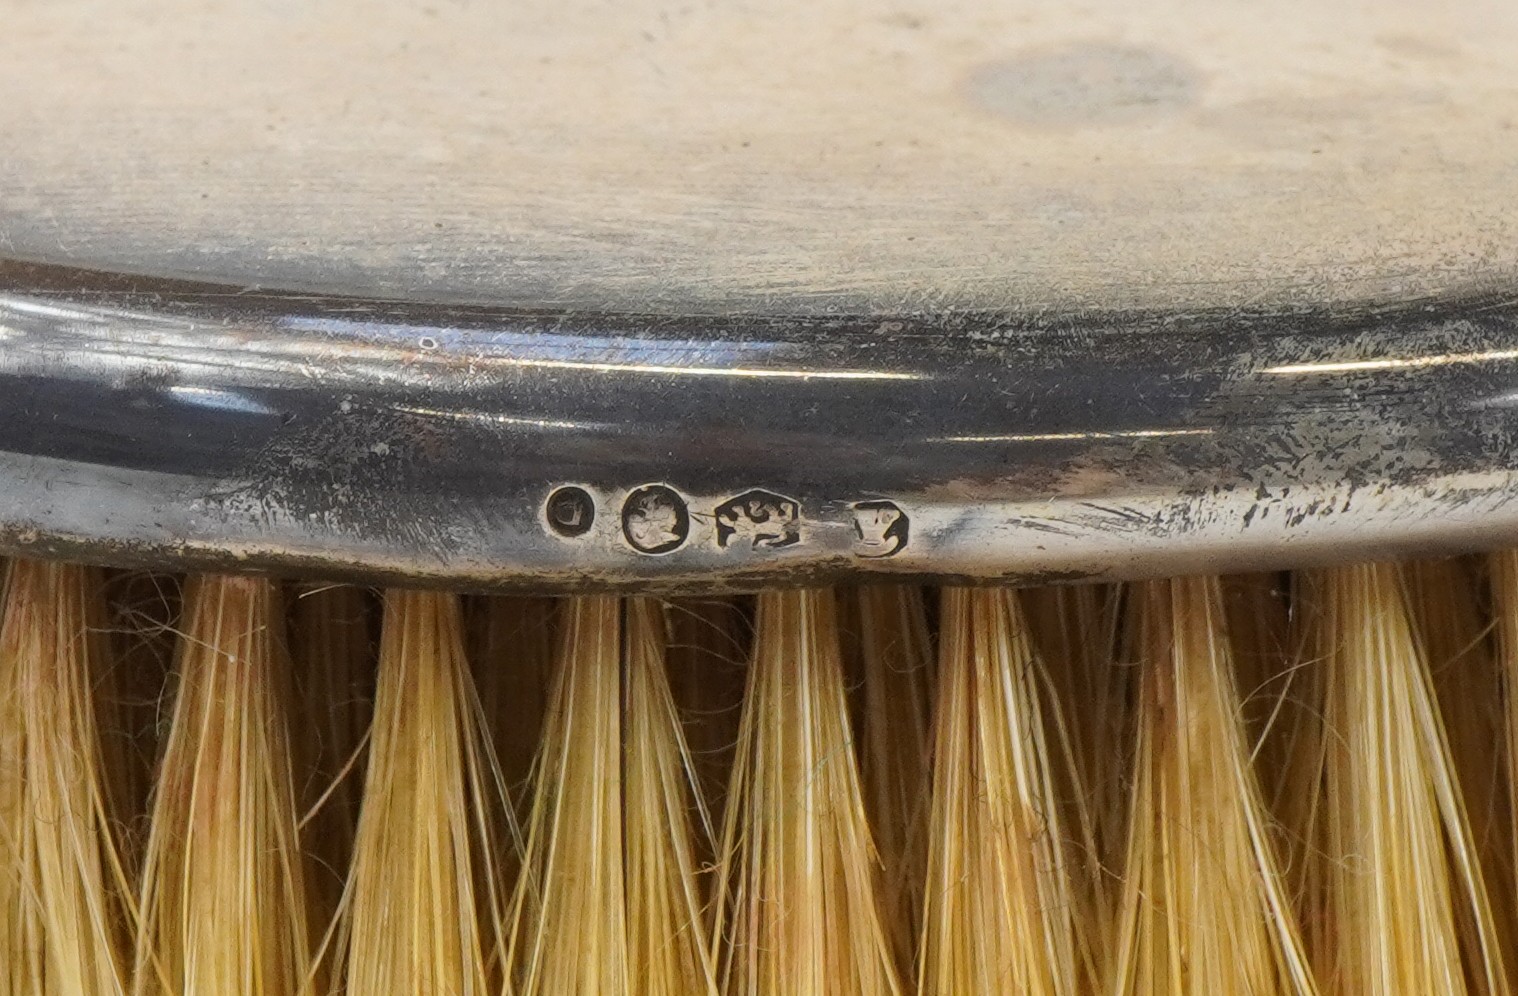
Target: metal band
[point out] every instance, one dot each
(190, 426)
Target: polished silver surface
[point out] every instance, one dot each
(177, 425)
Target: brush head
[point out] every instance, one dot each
(738, 300)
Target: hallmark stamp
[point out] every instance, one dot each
(880, 528)
(655, 519)
(762, 519)
(570, 511)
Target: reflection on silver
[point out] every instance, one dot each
(1394, 363)
(672, 370)
(1061, 437)
(495, 418)
(218, 400)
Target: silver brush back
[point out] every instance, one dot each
(154, 423)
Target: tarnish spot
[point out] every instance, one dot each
(1418, 46)
(1084, 85)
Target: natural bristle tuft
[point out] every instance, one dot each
(1407, 904)
(669, 939)
(422, 912)
(801, 913)
(569, 922)
(68, 898)
(224, 882)
(1004, 909)
(896, 675)
(1205, 908)
(1271, 785)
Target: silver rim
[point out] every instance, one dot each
(175, 425)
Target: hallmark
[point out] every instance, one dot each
(655, 519)
(570, 511)
(762, 519)
(880, 528)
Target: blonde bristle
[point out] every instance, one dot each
(609, 900)
(569, 918)
(74, 893)
(1402, 865)
(895, 756)
(1243, 786)
(333, 652)
(1204, 907)
(1448, 599)
(15, 927)
(421, 913)
(1004, 912)
(669, 952)
(1074, 633)
(1504, 583)
(800, 913)
(224, 888)
(708, 654)
(144, 613)
(512, 642)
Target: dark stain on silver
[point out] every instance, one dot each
(1084, 85)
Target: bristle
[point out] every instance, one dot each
(1278, 707)
(708, 653)
(569, 918)
(512, 643)
(224, 891)
(15, 848)
(144, 613)
(1504, 579)
(1003, 910)
(74, 894)
(1257, 613)
(1451, 620)
(895, 756)
(669, 952)
(800, 914)
(1249, 785)
(1205, 909)
(333, 651)
(421, 911)
(1074, 632)
(1402, 868)
(609, 901)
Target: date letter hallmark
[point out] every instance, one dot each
(655, 519)
(762, 519)
(880, 528)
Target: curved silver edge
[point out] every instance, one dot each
(148, 423)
